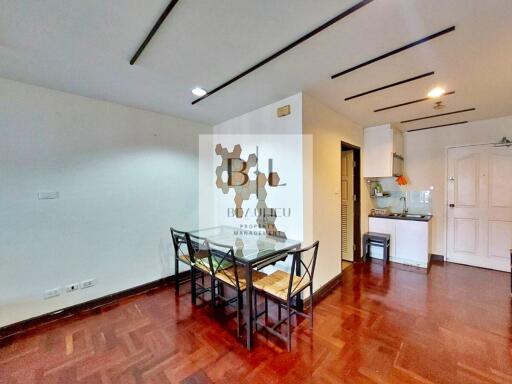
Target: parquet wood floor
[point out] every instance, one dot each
(450, 326)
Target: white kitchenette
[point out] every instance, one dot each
(410, 237)
(403, 214)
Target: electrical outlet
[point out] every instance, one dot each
(87, 283)
(72, 287)
(51, 293)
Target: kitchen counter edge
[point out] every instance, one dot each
(427, 218)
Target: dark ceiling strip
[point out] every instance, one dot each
(287, 48)
(437, 126)
(153, 30)
(390, 85)
(412, 102)
(441, 114)
(395, 51)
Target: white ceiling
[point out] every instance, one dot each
(84, 47)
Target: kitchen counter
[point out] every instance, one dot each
(409, 238)
(399, 216)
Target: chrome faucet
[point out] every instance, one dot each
(405, 204)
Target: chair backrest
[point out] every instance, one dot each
(198, 250)
(179, 242)
(223, 257)
(213, 257)
(297, 284)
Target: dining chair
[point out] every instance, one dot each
(200, 261)
(283, 287)
(181, 254)
(226, 270)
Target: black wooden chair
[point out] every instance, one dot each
(283, 288)
(181, 254)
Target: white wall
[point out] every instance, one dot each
(124, 176)
(264, 120)
(322, 131)
(425, 162)
(328, 129)
(277, 138)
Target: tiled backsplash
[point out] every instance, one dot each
(417, 201)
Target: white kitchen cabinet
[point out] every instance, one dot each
(409, 240)
(379, 145)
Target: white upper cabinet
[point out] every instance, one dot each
(380, 143)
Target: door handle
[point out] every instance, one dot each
(452, 205)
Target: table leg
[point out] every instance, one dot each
(248, 307)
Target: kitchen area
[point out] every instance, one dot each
(405, 215)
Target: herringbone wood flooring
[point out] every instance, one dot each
(451, 326)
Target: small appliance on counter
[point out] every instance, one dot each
(381, 211)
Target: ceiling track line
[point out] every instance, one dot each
(390, 85)
(395, 51)
(437, 126)
(438, 115)
(412, 102)
(286, 49)
(151, 33)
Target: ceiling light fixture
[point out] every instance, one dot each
(439, 105)
(199, 92)
(436, 92)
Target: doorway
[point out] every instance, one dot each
(350, 203)
(479, 212)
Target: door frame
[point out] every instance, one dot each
(344, 146)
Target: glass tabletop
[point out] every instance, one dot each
(249, 246)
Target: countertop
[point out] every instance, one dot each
(425, 218)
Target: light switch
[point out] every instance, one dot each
(48, 195)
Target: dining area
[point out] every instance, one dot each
(248, 271)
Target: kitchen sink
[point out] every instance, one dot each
(411, 215)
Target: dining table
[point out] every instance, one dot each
(253, 249)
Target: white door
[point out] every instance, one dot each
(479, 225)
(347, 205)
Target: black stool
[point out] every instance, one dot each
(379, 239)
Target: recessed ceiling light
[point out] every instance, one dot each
(436, 92)
(199, 92)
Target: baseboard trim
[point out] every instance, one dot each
(24, 326)
(323, 291)
(403, 267)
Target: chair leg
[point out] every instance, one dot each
(266, 309)
(279, 311)
(288, 326)
(212, 290)
(176, 276)
(238, 311)
(241, 299)
(255, 309)
(311, 308)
